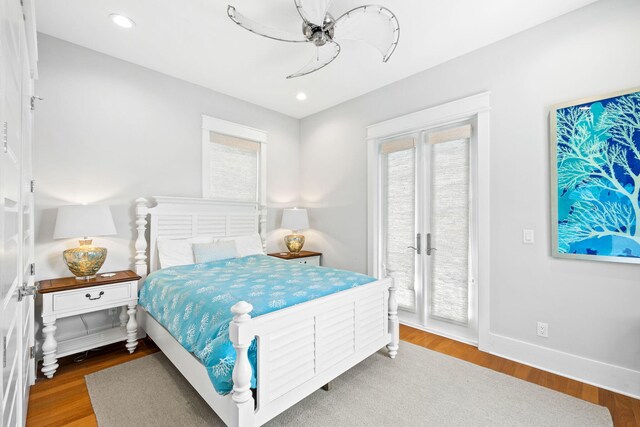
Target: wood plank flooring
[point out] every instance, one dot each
(64, 400)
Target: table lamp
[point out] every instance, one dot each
(295, 219)
(82, 222)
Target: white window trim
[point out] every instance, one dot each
(212, 124)
(476, 108)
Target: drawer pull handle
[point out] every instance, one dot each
(98, 297)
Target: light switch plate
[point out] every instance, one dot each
(527, 236)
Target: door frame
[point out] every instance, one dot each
(475, 108)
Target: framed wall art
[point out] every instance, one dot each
(595, 178)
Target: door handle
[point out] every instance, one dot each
(387, 272)
(429, 248)
(26, 291)
(418, 245)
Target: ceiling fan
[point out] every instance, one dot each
(375, 25)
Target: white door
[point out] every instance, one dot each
(427, 227)
(27, 309)
(16, 216)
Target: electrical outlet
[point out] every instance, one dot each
(543, 329)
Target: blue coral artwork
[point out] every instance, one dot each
(596, 178)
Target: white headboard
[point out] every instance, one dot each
(181, 218)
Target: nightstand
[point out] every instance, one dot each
(71, 297)
(304, 257)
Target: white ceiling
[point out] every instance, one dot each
(194, 40)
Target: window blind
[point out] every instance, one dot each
(448, 135)
(233, 168)
(399, 159)
(450, 181)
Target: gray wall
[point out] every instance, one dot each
(592, 308)
(109, 132)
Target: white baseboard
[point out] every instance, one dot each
(604, 375)
(420, 327)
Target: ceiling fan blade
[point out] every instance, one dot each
(375, 25)
(325, 55)
(263, 30)
(313, 11)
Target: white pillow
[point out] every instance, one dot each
(214, 251)
(246, 245)
(174, 252)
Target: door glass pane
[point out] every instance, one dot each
(399, 221)
(449, 290)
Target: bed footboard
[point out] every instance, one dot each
(303, 347)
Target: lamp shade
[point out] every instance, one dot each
(83, 221)
(295, 219)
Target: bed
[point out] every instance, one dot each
(317, 340)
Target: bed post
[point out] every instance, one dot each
(241, 337)
(142, 210)
(394, 323)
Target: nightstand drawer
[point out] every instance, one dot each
(91, 297)
(304, 257)
(312, 260)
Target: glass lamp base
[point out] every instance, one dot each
(294, 243)
(85, 261)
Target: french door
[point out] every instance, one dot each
(427, 239)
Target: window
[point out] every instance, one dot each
(233, 168)
(233, 162)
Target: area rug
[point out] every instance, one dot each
(419, 388)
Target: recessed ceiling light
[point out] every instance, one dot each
(301, 96)
(122, 21)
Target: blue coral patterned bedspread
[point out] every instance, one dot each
(193, 302)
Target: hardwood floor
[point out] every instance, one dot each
(64, 400)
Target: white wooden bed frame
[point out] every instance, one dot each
(300, 348)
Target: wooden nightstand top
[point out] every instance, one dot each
(68, 283)
(289, 255)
